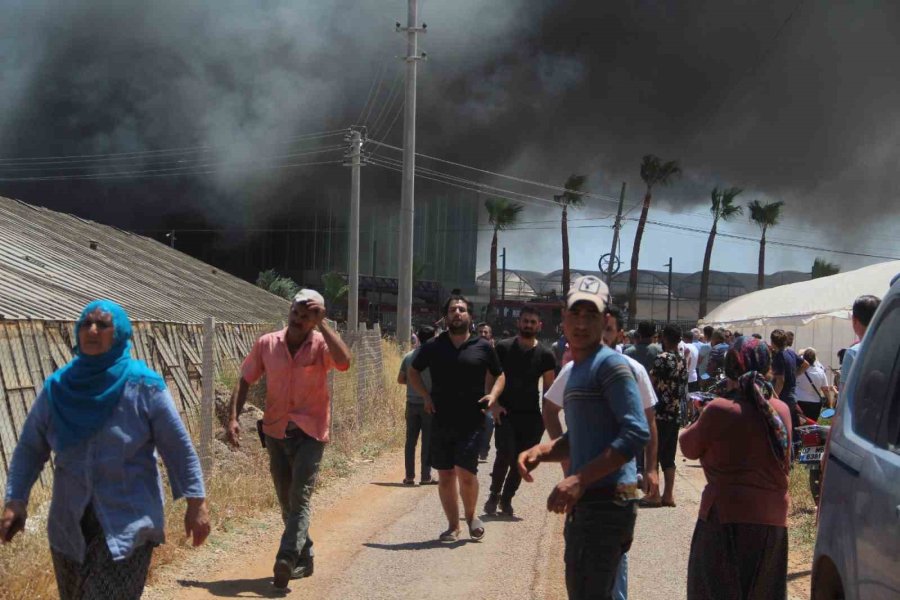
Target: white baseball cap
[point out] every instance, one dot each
(588, 289)
(306, 295)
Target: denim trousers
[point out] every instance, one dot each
(418, 421)
(294, 464)
(597, 533)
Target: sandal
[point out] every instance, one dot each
(450, 536)
(476, 529)
(650, 503)
(409, 481)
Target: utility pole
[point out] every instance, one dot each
(407, 197)
(353, 250)
(669, 291)
(503, 285)
(615, 240)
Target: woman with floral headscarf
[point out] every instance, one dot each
(104, 415)
(739, 549)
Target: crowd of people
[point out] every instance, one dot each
(624, 396)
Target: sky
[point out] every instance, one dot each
(795, 101)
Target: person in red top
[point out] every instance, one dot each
(743, 440)
(297, 419)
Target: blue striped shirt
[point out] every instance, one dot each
(603, 410)
(114, 470)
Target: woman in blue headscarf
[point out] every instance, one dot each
(104, 415)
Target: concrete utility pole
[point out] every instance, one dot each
(615, 241)
(669, 292)
(503, 285)
(353, 251)
(407, 199)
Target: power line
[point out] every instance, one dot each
(189, 166)
(153, 172)
(186, 149)
(367, 107)
(773, 242)
(510, 177)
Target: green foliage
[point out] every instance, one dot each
(722, 204)
(656, 172)
(334, 288)
(574, 194)
(765, 215)
(823, 268)
(502, 213)
(274, 283)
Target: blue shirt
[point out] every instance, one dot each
(784, 363)
(603, 410)
(114, 470)
(703, 350)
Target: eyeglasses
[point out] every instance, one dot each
(101, 325)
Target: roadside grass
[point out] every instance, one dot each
(801, 533)
(239, 489)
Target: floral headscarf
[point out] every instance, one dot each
(747, 362)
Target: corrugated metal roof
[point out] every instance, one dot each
(48, 270)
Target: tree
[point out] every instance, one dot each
(764, 215)
(722, 207)
(823, 268)
(502, 214)
(334, 288)
(654, 172)
(574, 197)
(274, 283)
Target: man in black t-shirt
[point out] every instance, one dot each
(466, 379)
(519, 424)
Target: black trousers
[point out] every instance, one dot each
(597, 534)
(516, 433)
(667, 432)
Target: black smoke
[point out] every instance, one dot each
(798, 101)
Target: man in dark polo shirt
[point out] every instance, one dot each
(466, 380)
(519, 424)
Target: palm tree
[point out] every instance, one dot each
(574, 197)
(502, 214)
(654, 172)
(274, 283)
(334, 288)
(823, 268)
(724, 208)
(764, 215)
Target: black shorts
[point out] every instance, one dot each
(452, 447)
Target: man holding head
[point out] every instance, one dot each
(466, 379)
(607, 428)
(297, 419)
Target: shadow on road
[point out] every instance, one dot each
(798, 575)
(237, 588)
(424, 545)
(395, 484)
(491, 518)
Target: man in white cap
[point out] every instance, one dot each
(297, 419)
(607, 428)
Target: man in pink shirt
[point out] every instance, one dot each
(297, 419)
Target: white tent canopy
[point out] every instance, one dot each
(817, 311)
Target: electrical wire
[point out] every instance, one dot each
(185, 149)
(367, 107)
(155, 173)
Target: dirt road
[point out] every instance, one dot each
(376, 539)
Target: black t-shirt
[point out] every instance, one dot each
(523, 369)
(457, 378)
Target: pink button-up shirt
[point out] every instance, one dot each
(296, 387)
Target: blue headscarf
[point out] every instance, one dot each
(83, 394)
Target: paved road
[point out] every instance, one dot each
(376, 539)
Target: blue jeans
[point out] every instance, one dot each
(294, 465)
(597, 533)
(485, 442)
(417, 421)
(620, 590)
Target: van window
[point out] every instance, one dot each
(872, 394)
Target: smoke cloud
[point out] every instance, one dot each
(804, 109)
